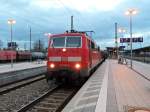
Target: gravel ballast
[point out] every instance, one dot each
(14, 100)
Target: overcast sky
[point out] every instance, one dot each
(53, 16)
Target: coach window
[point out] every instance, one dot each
(92, 45)
(98, 48)
(88, 44)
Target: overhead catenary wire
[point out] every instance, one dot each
(70, 12)
(38, 26)
(81, 16)
(23, 18)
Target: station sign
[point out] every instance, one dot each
(121, 47)
(127, 40)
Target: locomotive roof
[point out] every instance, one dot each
(72, 34)
(67, 34)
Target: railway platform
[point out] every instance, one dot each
(20, 71)
(20, 66)
(113, 88)
(141, 68)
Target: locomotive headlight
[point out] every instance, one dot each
(77, 66)
(64, 49)
(52, 65)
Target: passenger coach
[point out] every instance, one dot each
(71, 56)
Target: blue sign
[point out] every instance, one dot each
(127, 40)
(121, 47)
(140, 39)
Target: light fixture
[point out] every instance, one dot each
(64, 49)
(52, 65)
(77, 66)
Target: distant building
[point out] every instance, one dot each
(14, 45)
(112, 52)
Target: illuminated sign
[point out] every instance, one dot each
(127, 40)
(121, 47)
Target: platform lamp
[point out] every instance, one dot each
(130, 13)
(122, 30)
(11, 22)
(48, 35)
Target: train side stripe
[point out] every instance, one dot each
(74, 59)
(55, 59)
(70, 59)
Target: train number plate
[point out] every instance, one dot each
(64, 59)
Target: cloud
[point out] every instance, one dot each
(79, 5)
(54, 16)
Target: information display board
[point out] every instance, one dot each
(127, 40)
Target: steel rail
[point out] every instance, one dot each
(31, 104)
(17, 85)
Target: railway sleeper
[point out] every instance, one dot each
(61, 94)
(44, 109)
(54, 100)
(49, 104)
(51, 101)
(57, 97)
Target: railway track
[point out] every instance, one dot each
(51, 101)
(13, 86)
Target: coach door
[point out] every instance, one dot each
(90, 53)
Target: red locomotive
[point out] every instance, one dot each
(72, 56)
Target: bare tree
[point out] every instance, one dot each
(38, 45)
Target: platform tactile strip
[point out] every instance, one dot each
(135, 109)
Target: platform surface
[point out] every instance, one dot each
(20, 66)
(131, 89)
(143, 68)
(112, 88)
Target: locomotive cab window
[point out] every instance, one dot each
(58, 42)
(73, 42)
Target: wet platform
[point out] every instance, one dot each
(20, 66)
(141, 68)
(112, 88)
(20, 71)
